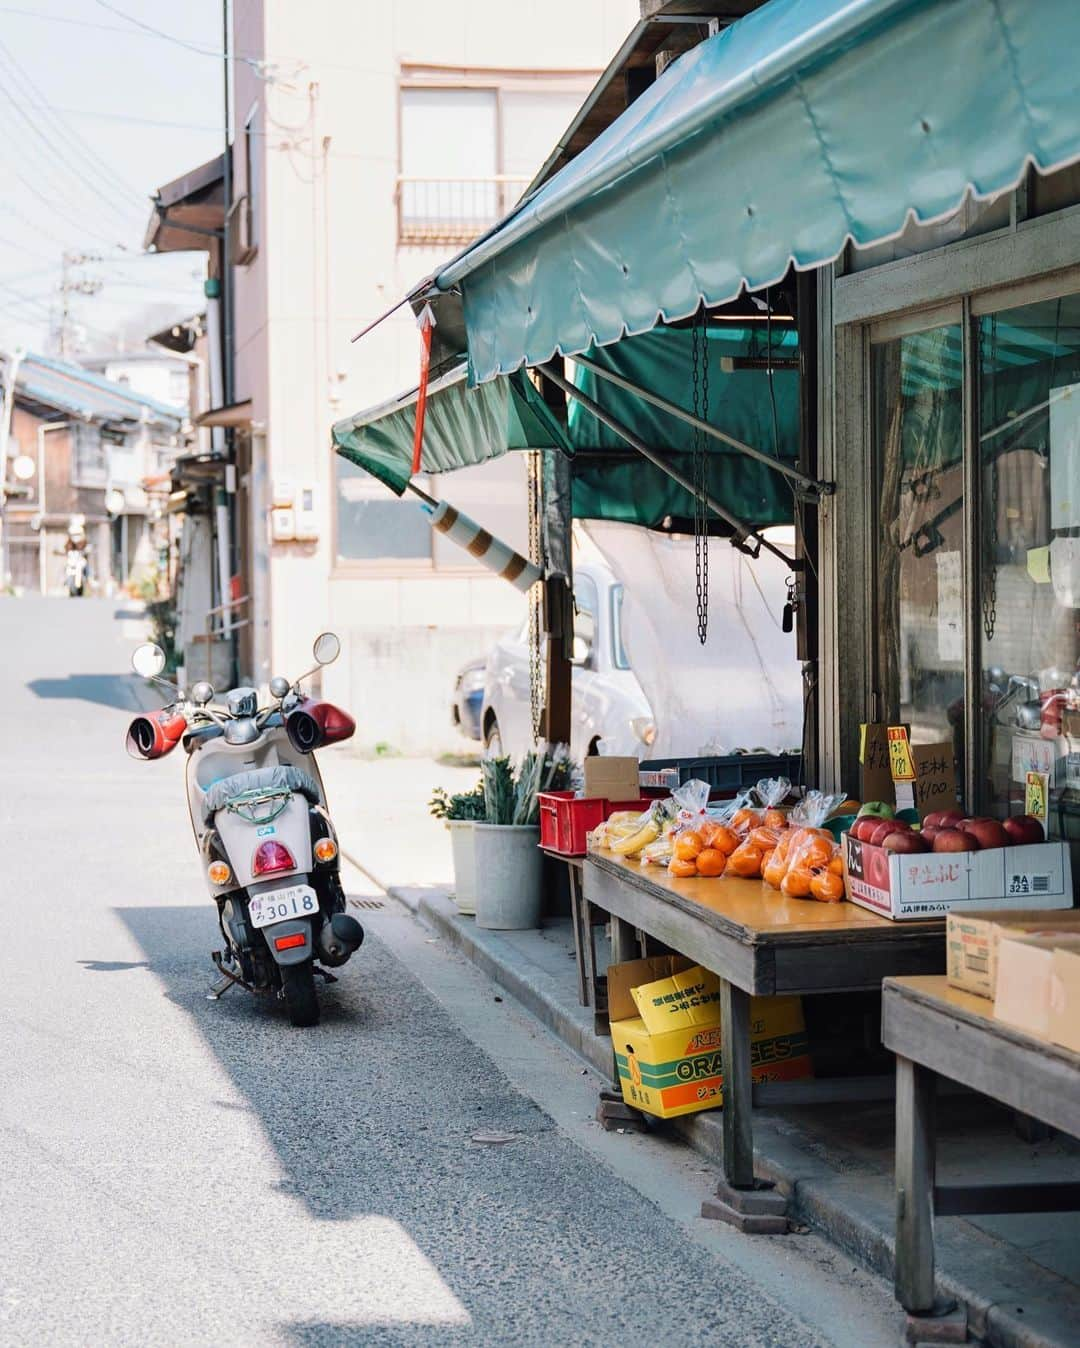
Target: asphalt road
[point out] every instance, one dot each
(177, 1171)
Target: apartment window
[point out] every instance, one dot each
(89, 457)
(469, 149)
(375, 526)
(179, 386)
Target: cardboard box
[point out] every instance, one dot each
(613, 778)
(930, 884)
(971, 941)
(1022, 994)
(1065, 997)
(665, 1030)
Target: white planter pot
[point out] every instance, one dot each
(509, 872)
(464, 854)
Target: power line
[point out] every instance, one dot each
(61, 159)
(25, 82)
(259, 67)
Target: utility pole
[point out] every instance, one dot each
(74, 285)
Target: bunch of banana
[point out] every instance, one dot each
(647, 831)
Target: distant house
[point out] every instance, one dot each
(93, 443)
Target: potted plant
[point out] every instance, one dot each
(509, 865)
(461, 811)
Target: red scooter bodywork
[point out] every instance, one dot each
(314, 724)
(155, 734)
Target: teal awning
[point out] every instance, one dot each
(744, 400)
(804, 125)
(462, 427)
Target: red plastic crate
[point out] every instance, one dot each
(566, 819)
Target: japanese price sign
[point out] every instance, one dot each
(901, 764)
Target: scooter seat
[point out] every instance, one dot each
(259, 779)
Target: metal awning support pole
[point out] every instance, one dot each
(808, 484)
(741, 530)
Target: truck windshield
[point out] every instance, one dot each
(619, 658)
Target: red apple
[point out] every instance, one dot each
(929, 832)
(863, 827)
(1022, 829)
(955, 840)
(904, 841)
(882, 830)
(989, 833)
(943, 818)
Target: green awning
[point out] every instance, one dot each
(611, 483)
(805, 126)
(462, 427)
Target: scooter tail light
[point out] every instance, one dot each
(326, 849)
(219, 872)
(271, 858)
(290, 942)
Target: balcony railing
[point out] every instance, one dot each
(453, 210)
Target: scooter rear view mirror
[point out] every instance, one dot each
(327, 648)
(148, 660)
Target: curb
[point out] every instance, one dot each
(852, 1210)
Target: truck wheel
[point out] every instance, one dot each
(298, 984)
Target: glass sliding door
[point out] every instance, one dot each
(1029, 546)
(918, 453)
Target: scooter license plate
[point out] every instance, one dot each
(279, 905)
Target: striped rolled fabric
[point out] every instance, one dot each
(488, 551)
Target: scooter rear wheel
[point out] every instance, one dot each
(298, 984)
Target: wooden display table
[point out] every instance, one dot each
(937, 1030)
(760, 943)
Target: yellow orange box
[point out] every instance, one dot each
(665, 1029)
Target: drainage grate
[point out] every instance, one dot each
(367, 903)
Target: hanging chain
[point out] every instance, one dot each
(989, 524)
(536, 675)
(699, 374)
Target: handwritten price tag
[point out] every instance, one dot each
(1036, 794)
(901, 764)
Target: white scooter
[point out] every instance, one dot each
(258, 812)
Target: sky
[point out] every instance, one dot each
(97, 113)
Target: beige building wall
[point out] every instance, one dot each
(325, 144)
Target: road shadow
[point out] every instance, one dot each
(375, 1113)
(106, 690)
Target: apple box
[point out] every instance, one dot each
(912, 885)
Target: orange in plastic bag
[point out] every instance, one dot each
(745, 819)
(774, 819)
(683, 869)
(687, 845)
(764, 837)
(711, 862)
(827, 887)
(774, 868)
(745, 860)
(796, 883)
(721, 837)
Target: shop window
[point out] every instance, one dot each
(373, 525)
(918, 443)
(1029, 590)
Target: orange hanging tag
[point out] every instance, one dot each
(425, 322)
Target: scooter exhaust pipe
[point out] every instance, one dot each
(339, 938)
